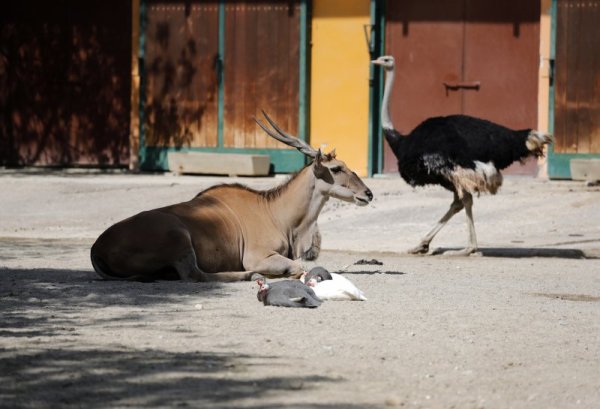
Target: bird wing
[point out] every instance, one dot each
(291, 293)
(485, 141)
(328, 290)
(350, 287)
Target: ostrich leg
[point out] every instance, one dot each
(456, 206)
(467, 201)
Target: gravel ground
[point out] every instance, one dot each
(516, 327)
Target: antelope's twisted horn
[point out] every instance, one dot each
(288, 139)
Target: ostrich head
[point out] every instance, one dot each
(386, 61)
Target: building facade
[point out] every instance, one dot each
(121, 84)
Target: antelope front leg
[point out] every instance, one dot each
(276, 265)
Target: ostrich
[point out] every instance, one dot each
(461, 153)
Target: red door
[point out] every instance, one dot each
(472, 57)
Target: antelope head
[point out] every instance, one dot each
(333, 177)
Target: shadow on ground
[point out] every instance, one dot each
(523, 252)
(374, 272)
(46, 308)
(39, 302)
(103, 378)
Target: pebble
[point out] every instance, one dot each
(393, 402)
(198, 306)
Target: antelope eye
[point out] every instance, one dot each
(336, 169)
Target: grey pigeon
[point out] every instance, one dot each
(286, 293)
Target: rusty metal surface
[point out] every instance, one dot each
(577, 79)
(473, 57)
(502, 43)
(65, 70)
(425, 38)
(182, 90)
(261, 70)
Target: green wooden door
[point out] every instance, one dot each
(575, 86)
(209, 67)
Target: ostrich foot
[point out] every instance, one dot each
(422, 248)
(458, 253)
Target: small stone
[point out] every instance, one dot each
(198, 306)
(393, 402)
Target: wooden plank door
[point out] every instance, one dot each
(261, 71)
(181, 74)
(210, 67)
(65, 82)
(576, 102)
(442, 47)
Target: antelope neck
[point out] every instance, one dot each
(300, 204)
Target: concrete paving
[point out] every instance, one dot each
(516, 327)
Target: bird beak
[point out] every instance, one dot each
(376, 62)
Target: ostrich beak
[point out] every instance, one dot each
(376, 62)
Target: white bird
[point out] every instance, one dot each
(332, 286)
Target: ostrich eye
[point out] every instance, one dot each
(336, 169)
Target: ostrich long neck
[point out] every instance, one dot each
(386, 119)
(393, 137)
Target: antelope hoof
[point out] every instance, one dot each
(460, 253)
(422, 248)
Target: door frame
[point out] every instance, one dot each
(559, 164)
(283, 160)
(376, 77)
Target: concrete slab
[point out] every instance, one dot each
(231, 164)
(585, 169)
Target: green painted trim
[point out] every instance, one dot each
(221, 75)
(556, 164)
(142, 70)
(372, 126)
(382, 22)
(303, 129)
(283, 160)
(377, 42)
(559, 164)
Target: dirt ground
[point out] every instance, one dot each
(516, 327)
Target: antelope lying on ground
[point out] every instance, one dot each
(229, 232)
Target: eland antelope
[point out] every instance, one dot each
(229, 232)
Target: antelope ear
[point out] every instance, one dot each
(319, 156)
(320, 171)
(332, 154)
